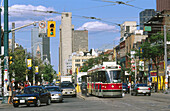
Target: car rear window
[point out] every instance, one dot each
(53, 88)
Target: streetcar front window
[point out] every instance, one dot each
(115, 76)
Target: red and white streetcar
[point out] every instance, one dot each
(105, 80)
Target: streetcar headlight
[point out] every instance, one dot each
(31, 97)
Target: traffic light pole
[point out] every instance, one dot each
(0, 57)
(165, 59)
(6, 36)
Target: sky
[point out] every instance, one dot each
(103, 33)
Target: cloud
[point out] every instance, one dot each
(28, 10)
(25, 14)
(97, 26)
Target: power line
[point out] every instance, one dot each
(119, 2)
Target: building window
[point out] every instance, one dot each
(84, 60)
(127, 28)
(77, 60)
(77, 65)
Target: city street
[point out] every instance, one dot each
(156, 102)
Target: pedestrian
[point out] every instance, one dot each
(10, 91)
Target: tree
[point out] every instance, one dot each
(94, 61)
(19, 64)
(48, 72)
(153, 48)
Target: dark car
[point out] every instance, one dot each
(141, 89)
(56, 93)
(68, 89)
(125, 88)
(32, 95)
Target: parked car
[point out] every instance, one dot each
(68, 89)
(56, 93)
(125, 88)
(141, 89)
(32, 95)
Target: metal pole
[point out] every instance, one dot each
(135, 70)
(0, 57)
(13, 37)
(13, 45)
(165, 59)
(26, 64)
(6, 36)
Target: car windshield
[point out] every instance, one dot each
(67, 85)
(53, 88)
(141, 84)
(31, 90)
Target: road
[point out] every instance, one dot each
(156, 102)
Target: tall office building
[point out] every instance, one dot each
(80, 41)
(66, 35)
(40, 46)
(162, 5)
(146, 15)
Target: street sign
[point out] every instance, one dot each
(147, 28)
(42, 27)
(168, 42)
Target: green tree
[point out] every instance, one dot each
(19, 65)
(94, 61)
(48, 72)
(153, 48)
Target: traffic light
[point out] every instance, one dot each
(10, 60)
(51, 29)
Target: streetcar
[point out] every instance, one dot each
(105, 80)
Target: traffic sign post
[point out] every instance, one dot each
(42, 28)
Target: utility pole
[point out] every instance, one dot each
(13, 45)
(13, 37)
(0, 57)
(165, 59)
(6, 36)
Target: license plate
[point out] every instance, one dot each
(68, 92)
(144, 92)
(22, 101)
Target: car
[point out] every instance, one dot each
(32, 95)
(68, 89)
(141, 89)
(56, 93)
(125, 88)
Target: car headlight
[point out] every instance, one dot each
(74, 89)
(31, 97)
(57, 94)
(15, 98)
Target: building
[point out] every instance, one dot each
(133, 42)
(79, 58)
(145, 16)
(162, 5)
(66, 35)
(127, 28)
(157, 24)
(70, 41)
(80, 40)
(10, 44)
(40, 46)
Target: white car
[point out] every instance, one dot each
(68, 89)
(141, 89)
(56, 93)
